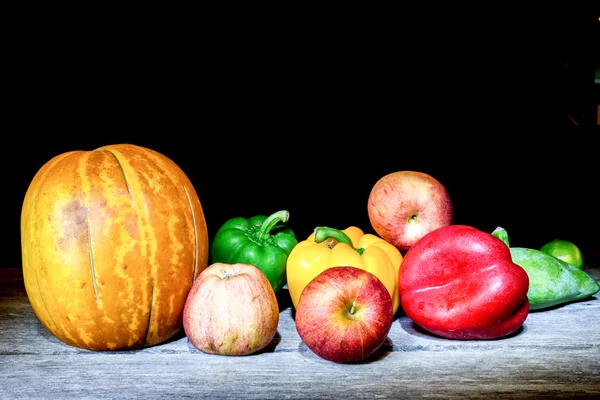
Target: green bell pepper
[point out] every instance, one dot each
(552, 281)
(262, 241)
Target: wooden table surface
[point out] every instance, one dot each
(556, 354)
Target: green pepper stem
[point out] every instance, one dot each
(323, 232)
(269, 223)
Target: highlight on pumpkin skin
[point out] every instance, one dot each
(112, 241)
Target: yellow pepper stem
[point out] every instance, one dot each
(322, 233)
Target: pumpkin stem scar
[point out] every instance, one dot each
(149, 318)
(93, 272)
(122, 170)
(195, 234)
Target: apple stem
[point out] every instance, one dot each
(353, 308)
(322, 233)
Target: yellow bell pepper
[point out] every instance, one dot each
(328, 247)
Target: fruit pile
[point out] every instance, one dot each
(116, 256)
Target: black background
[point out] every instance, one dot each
(306, 115)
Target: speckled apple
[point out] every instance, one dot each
(404, 206)
(231, 309)
(344, 314)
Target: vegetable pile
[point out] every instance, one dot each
(114, 239)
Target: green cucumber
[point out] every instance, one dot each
(552, 281)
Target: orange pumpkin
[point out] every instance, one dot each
(112, 241)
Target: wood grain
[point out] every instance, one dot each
(556, 354)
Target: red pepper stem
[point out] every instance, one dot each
(322, 233)
(501, 234)
(265, 229)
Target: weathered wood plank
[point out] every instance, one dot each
(554, 355)
(446, 373)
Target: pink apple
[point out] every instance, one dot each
(231, 309)
(404, 206)
(344, 314)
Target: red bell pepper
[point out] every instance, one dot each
(459, 282)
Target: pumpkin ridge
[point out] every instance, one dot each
(37, 283)
(91, 252)
(143, 221)
(122, 170)
(149, 319)
(30, 205)
(195, 269)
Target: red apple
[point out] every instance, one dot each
(404, 206)
(231, 309)
(344, 314)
